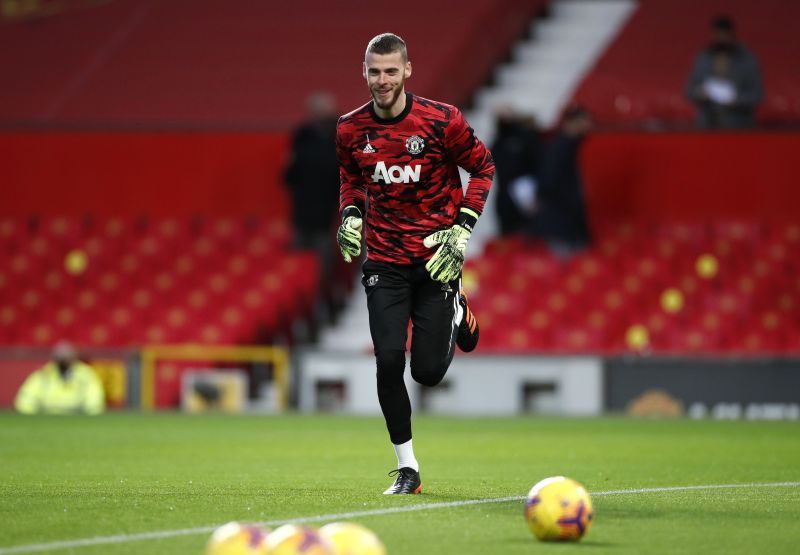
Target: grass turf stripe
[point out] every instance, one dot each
(164, 534)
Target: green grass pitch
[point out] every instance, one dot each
(125, 475)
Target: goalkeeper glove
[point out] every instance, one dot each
(349, 234)
(446, 263)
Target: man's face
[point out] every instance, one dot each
(723, 37)
(386, 75)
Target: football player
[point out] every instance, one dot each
(399, 156)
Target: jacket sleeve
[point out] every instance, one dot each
(290, 174)
(28, 400)
(750, 90)
(699, 73)
(471, 154)
(94, 399)
(352, 188)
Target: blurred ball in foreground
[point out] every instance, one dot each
(348, 538)
(291, 539)
(237, 539)
(76, 261)
(558, 508)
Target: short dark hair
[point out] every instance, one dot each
(387, 43)
(723, 23)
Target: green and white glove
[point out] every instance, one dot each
(447, 261)
(349, 234)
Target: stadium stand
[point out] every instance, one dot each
(204, 280)
(164, 219)
(702, 224)
(156, 273)
(547, 66)
(640, 79)
(726, 288)
(206, 63)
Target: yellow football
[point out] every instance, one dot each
(237, 539)
(348, 538)
(559, 508)
(291, 539)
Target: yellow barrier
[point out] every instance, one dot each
(277, 356)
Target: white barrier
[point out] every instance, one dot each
(475, 385)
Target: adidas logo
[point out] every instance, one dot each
(368, 149)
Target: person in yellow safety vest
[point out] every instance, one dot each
(65, 385)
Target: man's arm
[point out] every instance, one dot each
(694, 85)
(352, 187)
(94, 399)
(471, 154)
(291, 170)
(352, 199)
(750, 90)
(28, 400)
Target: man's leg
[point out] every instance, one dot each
(389, 303)
(436, 315)
(441, 320)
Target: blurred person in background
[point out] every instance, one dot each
(65, 385)
(725, 82)
(312, 178)
(560, 217)
(516, 158)
(313, 173)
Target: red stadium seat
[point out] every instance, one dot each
(162, 280)
(587, 304)
(214, 41)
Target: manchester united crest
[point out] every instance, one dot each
(415, 144)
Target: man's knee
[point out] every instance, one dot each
(427, 371)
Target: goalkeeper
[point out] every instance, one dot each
(400, 187)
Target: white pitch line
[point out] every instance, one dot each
(125, 538)
(689, 488)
